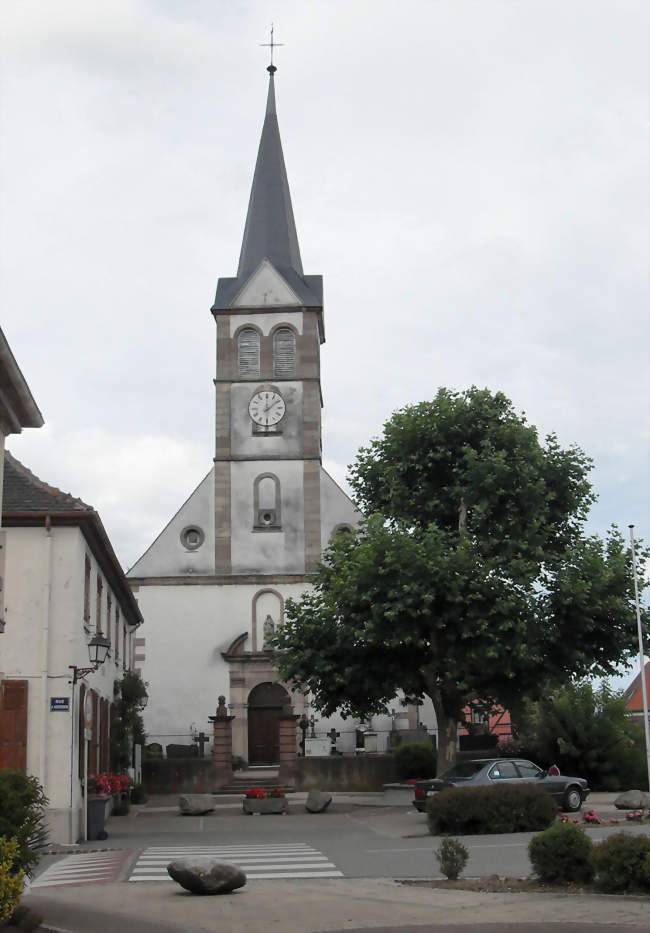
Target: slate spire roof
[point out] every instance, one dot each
(270, 230)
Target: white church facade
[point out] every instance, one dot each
(215, 581)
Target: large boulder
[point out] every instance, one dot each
(195, 804)
(205, 875)
(317, 801)
(633, 800)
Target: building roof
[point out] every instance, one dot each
(18, 409)
(29, 501)
(25, 492)
(634, 695)
(270, 231)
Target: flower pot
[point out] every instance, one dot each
(265, 805)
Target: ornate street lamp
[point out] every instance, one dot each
(98, 648)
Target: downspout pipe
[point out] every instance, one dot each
(45, 652)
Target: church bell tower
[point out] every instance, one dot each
(268, 395)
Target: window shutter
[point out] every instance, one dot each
(248, 352)
(284, 352)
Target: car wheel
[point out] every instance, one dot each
(572, 799)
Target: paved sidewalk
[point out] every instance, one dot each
(332, 905)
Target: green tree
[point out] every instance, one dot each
(586, 731)
(471, 577)
(127, 728)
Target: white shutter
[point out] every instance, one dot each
(248, 352)
(284, 352)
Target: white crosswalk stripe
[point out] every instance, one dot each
(295, 860)
(86, 868)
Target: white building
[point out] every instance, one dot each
(18, 410)
(64, 585)
(251, 534)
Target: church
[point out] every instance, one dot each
(213, 584)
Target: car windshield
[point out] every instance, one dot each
(463, 769)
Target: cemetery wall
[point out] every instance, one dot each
(345, 773)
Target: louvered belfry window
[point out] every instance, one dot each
(284, 352)
(248, 352)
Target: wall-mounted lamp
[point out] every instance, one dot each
(98, 652)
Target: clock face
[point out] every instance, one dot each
(266, 408)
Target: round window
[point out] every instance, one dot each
(192, 537)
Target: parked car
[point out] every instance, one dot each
(568, 792)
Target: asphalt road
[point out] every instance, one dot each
(363, 842)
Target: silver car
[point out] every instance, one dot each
(568, 792)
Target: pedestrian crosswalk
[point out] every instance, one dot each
(295, 860)
(84, 868)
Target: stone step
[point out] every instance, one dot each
(242, 787)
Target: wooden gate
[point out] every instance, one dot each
(265, 705)
(13, 724)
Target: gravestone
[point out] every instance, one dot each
(182, 751)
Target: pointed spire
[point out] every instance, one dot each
(270, 231)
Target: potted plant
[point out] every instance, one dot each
(111, 785)
(257, 800)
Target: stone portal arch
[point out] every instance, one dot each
(266, 703)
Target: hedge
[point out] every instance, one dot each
(504, 808)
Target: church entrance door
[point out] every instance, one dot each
(265, 705)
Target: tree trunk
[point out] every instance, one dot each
(447, 735)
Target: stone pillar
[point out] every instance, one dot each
(288, 772)
(222, 745)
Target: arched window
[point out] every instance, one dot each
(248, 352)
(266, 502)
(344, 530)
(284, 352)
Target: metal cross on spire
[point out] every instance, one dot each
(271, 45)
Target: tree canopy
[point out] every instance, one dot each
(586, 730)
(471, 575)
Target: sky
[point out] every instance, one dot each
(469, 176)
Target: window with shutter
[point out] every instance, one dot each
(248, 352)
(284, 352)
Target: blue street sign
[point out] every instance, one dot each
(60, 704)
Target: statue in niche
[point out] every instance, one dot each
(269, 629)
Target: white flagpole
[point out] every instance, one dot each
(644, 690)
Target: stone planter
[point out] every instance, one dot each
(265, 805)
(121, 804)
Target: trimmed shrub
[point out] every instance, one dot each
(239, 763)
(11, 880)
(415, 760)
(501, 809)
(563, 854)
(22, 805)
(452, 856)
(623, 863)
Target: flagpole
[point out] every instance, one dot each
(644, 689)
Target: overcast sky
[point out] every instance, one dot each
(469, 176)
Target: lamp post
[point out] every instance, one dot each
(644, 691)
(98, 652)
(98, 648)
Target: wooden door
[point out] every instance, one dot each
(264, 735)
(13, 724)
